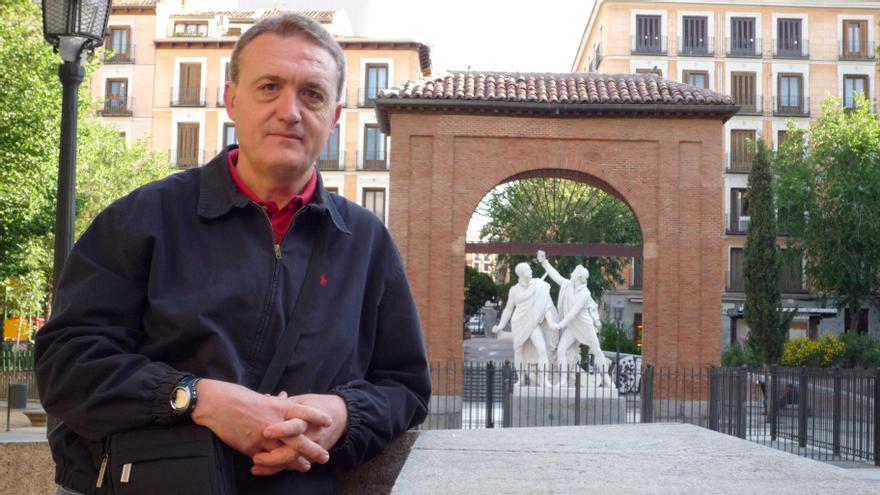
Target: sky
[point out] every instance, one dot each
(503, 35)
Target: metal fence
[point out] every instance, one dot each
(8, 378)
(16, 359)
(824, 414)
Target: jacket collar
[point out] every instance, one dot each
(218, 193)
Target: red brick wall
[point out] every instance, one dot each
(667, 170)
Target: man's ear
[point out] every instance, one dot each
(337, 114)
(229, 99)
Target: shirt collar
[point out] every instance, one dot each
(218, 193)
(296, 202)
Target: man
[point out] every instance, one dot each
(530, 312)
(189, 282)
(580, 319)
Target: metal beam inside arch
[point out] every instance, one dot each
(527, 248)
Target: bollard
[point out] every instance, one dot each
(17, 399)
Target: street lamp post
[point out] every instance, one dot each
(72, 27)
(618, 316)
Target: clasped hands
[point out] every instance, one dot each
(276, 432)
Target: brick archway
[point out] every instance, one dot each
(665, 164)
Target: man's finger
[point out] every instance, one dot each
(288, 428)
(312, 415)
(294, 447)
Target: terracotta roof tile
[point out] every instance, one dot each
(555, 88)
(134, 3)
(323, 16)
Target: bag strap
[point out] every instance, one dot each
(304, 302)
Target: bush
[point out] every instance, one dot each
(825, 352)
(738, 355)
(608, 340)
(861, 350)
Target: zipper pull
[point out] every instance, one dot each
(102, 471)
(277, 251)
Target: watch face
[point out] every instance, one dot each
(179, 398)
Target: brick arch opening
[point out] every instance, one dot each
(664, 160)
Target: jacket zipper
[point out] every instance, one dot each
(102, 471)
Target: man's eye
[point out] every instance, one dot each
(314, 95)
(269, 87)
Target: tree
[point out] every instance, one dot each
(768, 324)
(550, 210)
(29, 149)
(829, 202)
(478, 288)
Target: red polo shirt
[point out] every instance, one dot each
(280, 218)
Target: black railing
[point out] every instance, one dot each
(329, 164)
(187, 96)
(856, 50)
(649, 45)
(16, 360)
(116, 106)
(739, 162)
(696, 47)
(825, 414)
(791, 106)
(744, 47)
(791, 48)
(751, 106)
(124, 55)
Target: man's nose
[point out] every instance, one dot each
(288, 106)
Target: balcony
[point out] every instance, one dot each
(116, 106)
(648, 45)
(736, 224)
(373, 162)
(752, 106)
(186, 158)
(125, 55)
(690, 47)
(187, 97)
(744, 47)
(330, 164)
(859, 51)
(849, 104)
(791, 48)
(220, 102)
(738, 163)
(789, 106)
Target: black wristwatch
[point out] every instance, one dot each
(184, 396)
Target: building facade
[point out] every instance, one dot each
(779, 59)
(166, 62)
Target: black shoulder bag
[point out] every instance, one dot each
(188, 459)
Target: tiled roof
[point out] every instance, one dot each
(323, 16)
(573, 88)
(563, 94)
(134, 3)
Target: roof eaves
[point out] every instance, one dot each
(517, 108)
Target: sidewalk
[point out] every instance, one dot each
(20, 427)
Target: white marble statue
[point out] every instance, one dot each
(530, 312)
(580, 321)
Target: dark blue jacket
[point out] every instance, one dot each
(182, 276)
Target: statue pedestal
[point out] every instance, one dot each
(560, 406)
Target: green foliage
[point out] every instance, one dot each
(29, 150)
(828, 192)
(825, 352)
(861, 350)
(478, 288)
(740, 355)
(608, 339)
(549, 210)
(768, 323)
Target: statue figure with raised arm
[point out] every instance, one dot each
(579, 322)
(530, 311)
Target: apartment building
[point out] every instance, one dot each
(780, 59)
(166, 63)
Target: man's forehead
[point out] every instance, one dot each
(315, 54)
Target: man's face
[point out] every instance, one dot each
(284, 104)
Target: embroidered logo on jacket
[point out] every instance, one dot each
(323, 280)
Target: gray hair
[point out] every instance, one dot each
(288, 25)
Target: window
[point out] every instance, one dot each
(790, 94)
(648, 37)
(739, 212)
(853, 85)
(187, 145)
(861, 326)
(119, 44)
(742, 38)
(191, 29)
(781, 136)
(229, 136)
(743, 89)
(694, 39)
(791, 273)
(374, 148)
(855, 40)
(374, 200)
(698, 78)
(189, 92)
(735, 276)
(637, 265)
(741, 142)
(116, 97)
(377, 80)
(789, 42)
(329, 158)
